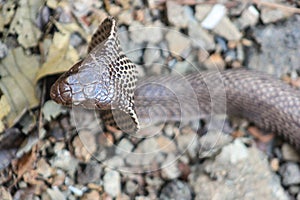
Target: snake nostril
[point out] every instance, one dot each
(61, 93)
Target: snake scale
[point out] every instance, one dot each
(106, 80)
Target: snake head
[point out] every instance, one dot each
(87, 84)
(104, 80)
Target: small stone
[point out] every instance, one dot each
(274, 164)
(90, 173)
(154, 32)
(249, 17)
(91, 195)
(177, 43)
(215, 61)
(227, 29)
(269, 15)
(124, 147)
(55, 194)
(201, 38)
(214, 17)
(75, 40)
(44, 169)
(188, 143)
(65, 161)
(177, 14)
(170, 168)
(176, 190)
(289, 153)
(151, 54)
(134, 52)
(212, 142)
(165, 144)
(181, 68)
(202, 11)
(294, 189)
(112, 183)
(131, 187)
(3, 50)
(78, 192)
(144, 154)
(125, 17)
(234, 152)
(290, 173)
(136, 32)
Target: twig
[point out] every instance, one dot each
(277, 6)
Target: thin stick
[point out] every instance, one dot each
(277, 6)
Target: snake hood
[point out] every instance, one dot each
(89, 82)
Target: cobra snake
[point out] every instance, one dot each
(106, 80)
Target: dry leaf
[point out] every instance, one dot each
(17, 73)
(61, 56)
(26, 163)
(5, 108)
(23, 23)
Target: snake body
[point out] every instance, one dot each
(107, 80)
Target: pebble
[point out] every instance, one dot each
(78, 192)
(290, 173)
(227, 29)
(65, 161)
(282, 38)
(201, 11)
(131, 187)
(154, 32)
(124, 147)
(55, 194)
(239, 169)
(112, 183)
(178, 43)
(212, 142)
(289, 153)
(177, 14)
(91, 173)
(169, 169)
(176, 190)
(200, 37)
(214, 17)
(269, 15)
(188, 144)
(249, 17)
(3, 50)
(151, 54)
(234, 152)
(165, 144)
(125, 17)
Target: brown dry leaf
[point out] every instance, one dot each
(25, 164)
(60, 58)
(17, 73)
(23, 23)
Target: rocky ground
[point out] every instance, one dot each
(52, 152)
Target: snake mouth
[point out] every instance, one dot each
(61, 94)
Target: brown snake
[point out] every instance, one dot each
(107, 80)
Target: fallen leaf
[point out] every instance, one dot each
(25, 163)
(60, 58)
(5, 109)
(23, 23)
(17, 72)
